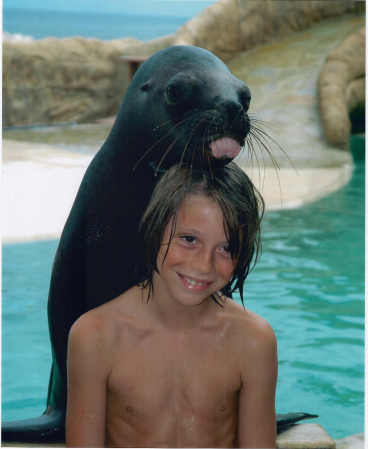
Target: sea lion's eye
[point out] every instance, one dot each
(180, 89)
(173, 94)
(146, 86)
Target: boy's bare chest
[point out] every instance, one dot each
(176, 382)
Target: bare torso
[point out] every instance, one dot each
(172, 387)
(160, 385)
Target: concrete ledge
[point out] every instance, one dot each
(355, 441)
(305, 436)
(288, 188)
(39, 184)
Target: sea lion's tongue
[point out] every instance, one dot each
(225, 147)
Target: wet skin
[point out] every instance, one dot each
(178, 370)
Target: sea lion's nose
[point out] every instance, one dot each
(245, 97)
(232, 110)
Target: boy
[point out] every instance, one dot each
(173, 362)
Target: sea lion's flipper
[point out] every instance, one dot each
(285, 420)
(48, 428)
(56, 395)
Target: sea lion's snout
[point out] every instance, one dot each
(230, 115)
(209, 124)
(231, 110)
(229, 127)
(196, 110)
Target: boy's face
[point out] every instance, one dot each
(198, 262)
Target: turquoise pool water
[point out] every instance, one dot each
(309, 284)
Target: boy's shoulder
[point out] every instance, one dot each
(102, 323)
(250, 329)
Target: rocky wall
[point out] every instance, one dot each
(232, 26)
(79, 80)
(62, 80)
(341, 88)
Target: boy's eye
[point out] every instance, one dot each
(189, 239)
(225, 250)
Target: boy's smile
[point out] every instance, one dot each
(197, 263)
(194, 284)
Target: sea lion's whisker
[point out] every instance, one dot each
(206, 153)
(157, 142)
(149, 149)
(188, 142)
(268, 136)
(254, 155)
(157, 127)
(183, 153)
(210, 165)
(173, 143)
(262, 145)
(164, 155)
(193, 131)
(258, 136)
(189, 118)
(195, 127)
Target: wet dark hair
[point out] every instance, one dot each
(241, 204)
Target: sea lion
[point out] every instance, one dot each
(183, 104)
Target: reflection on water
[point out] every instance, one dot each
(309, 284)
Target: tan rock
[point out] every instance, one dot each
(216, 29)
(62, 80)
(147, 49)
(77, 80)
(341, 88)
(355, 93)
(305, 436)
(231, 26)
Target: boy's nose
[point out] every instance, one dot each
(203, 262)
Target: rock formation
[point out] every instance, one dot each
(232, 26)
(62, 80)
(341, 88)
(77, 80)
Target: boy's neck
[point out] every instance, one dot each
(175, 316)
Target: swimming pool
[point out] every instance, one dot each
(309, 284)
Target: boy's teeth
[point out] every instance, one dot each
(194, 283)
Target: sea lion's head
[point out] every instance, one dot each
(187, 107)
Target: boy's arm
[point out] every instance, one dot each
(257, 419)
(87, 377)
